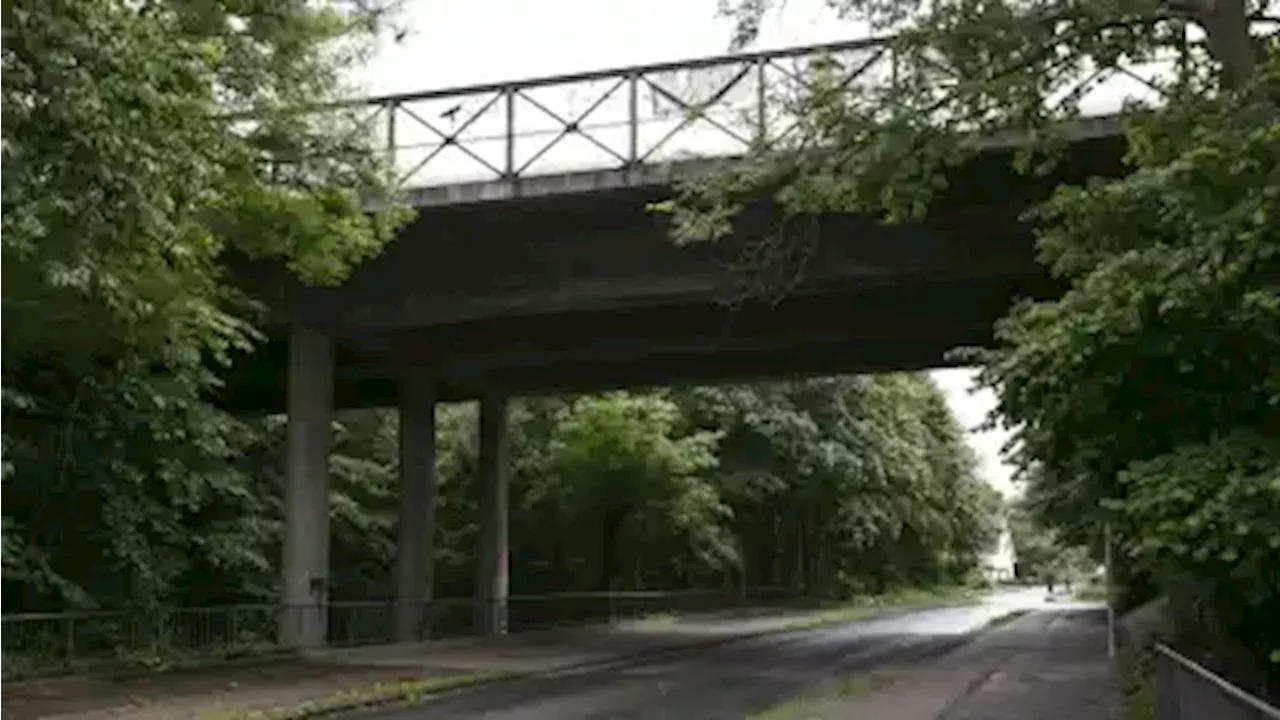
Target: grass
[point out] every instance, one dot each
(1005, 618)
(1135, 670)
(867, 606)
(1090, 593)
(817, 613)
(404, 691)
(1140, 700)
(660, 618)
(125, 663)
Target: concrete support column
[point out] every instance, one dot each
(491, 577)
(415, 555)
(304, 622)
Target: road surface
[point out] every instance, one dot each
(728, 682)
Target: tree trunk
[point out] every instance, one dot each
(1226, 25)
(612, 525)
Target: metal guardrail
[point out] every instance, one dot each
(624, 118)
(41, 644)
(1187, 691)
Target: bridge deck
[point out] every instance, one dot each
(546, 273)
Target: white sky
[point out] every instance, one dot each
(971, 409)
(452, 44)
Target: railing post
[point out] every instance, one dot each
(510, 92)
(321, 619)
(762, 100)
(391, 134)
(633, 119)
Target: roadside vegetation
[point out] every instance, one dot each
(1146, 396)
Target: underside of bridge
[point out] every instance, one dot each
(584, 291)
(907, 326)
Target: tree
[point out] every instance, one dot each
(846, 484)
(622, 474)
(1157, 356)
(1039, 552)
(145, 144)
(767, 484)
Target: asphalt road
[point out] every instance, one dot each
(730, 681)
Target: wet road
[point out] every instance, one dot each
(726, 682)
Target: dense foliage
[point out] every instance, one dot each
(833, 487)
(131, 176)
(830, 487)
(1148, 395)
(1041, 554)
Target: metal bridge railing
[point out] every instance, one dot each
(41, 644)
(1187, 691)
(628, 117)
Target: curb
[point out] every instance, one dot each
(408, 698)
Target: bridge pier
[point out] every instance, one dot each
(415, 552)
(492, 560)
(305, 565)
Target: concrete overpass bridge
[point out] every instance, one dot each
(546, 277)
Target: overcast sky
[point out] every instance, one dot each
(451, 44)
(458, 43)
